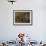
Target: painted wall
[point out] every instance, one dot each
(38, 29)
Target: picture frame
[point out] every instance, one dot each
(22, 17)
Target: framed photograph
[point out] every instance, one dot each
(22, 17)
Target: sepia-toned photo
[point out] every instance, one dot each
(22, 16)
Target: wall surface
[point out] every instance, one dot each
(38, 29)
